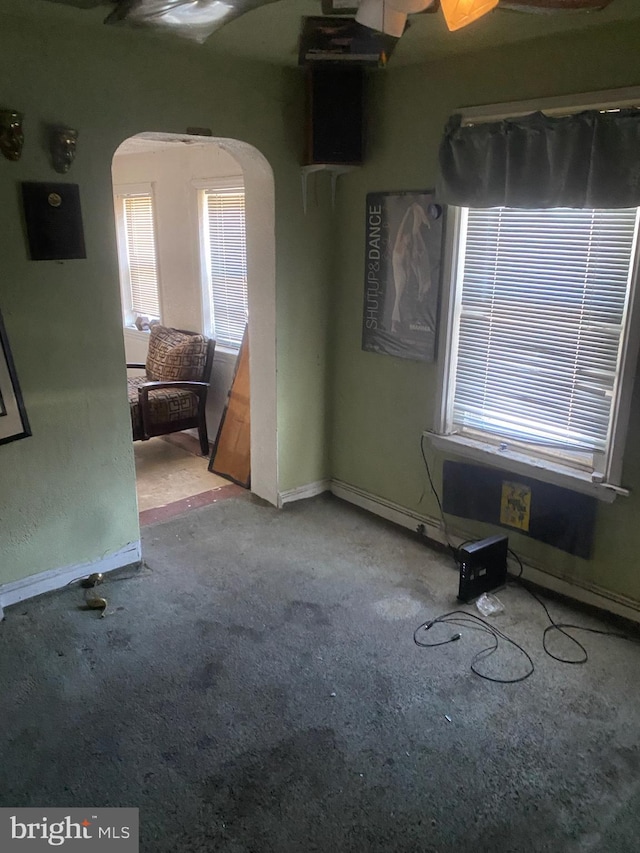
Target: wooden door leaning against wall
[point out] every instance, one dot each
(231, 455)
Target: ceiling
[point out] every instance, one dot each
(270, 33)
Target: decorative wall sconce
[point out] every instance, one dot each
(62, 144)
(11, 135)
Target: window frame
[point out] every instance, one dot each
(605, 484)
(120, 193)
(201, 187)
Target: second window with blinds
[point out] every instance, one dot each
(224, 260)
(540, 336)
(137, 254)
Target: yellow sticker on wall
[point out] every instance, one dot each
(515, 506)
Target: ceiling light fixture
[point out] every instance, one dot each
(459, 13)
(390, 16)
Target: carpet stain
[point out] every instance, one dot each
(27, 738)
(24, 690)
(206, 741)
(299, 768)
(590, 705)
(247, 633)
(207, 676)
(398, 607)
(118, 639)
(305, 613)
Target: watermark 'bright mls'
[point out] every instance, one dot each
(74, 830)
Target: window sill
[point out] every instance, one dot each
(519, 463)
(226, 354)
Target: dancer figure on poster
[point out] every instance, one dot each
(410, 261)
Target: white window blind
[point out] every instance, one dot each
(142, 265)
(541, 312)
(225, 241)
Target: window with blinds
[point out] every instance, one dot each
(225, 250)
(539, 324)
(141, 256)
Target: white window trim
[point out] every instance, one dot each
(219, 183)
(609, 486)
(122, 191)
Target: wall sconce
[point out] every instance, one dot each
(11, 135)
(62, 144)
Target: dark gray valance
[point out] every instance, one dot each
(590, 159)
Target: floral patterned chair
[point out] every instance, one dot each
(172, 395)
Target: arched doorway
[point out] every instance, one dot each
(260, 248)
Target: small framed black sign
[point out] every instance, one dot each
(54, 221)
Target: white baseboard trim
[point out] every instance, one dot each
(16, 591)
(310, 490)
(586, 593)
(388, 509)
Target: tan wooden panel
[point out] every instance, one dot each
(231, 456)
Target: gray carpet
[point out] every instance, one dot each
(258, 689)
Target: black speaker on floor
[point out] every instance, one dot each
(483, 567)
(335, 115)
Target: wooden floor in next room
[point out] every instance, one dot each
(172, 477)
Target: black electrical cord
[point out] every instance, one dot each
(519, 561)
(461, 618)
(562, 626)
(465, 619)
(452, 548)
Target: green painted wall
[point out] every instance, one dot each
(67, 494)
(382, 404)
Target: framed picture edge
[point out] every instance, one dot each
(6, 354)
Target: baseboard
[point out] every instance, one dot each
(309, 490)
(586, 593)
(590, 594)
(388, 509)
(16, 591)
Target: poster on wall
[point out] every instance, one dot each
(402, 274)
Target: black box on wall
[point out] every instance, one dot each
(54, 221)
(552, 514)
(335, 116)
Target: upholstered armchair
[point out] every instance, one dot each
(173, 393)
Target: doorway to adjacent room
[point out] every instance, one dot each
(195, 222)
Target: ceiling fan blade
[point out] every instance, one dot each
(192, 19)
(554, 5)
